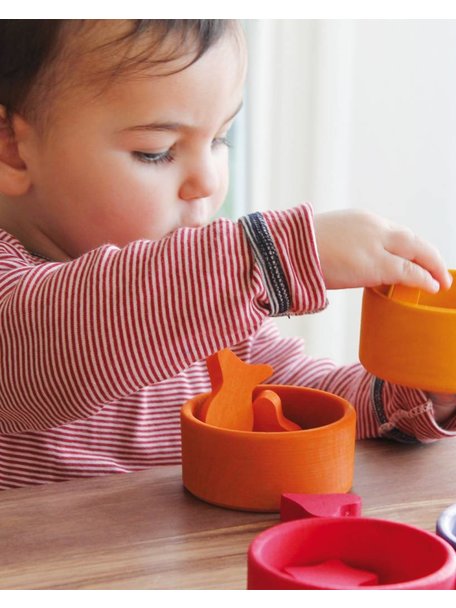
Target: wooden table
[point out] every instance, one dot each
(143, 531)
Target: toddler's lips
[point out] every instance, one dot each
(186, 225)
(195, 222)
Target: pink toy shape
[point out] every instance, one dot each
(332, 573)
(298, 506)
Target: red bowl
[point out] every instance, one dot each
(349, 553)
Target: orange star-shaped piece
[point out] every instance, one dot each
(230, 404)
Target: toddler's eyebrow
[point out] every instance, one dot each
(173, 126)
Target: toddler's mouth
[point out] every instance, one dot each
(195, 224)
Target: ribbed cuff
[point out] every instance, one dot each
(386, 428)
(268, 260)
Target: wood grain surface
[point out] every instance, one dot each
(144, 531)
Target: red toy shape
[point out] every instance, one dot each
(332, 572)
(230, 404)
(268, 414)
(298, 506)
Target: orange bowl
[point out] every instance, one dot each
(251, 470)
(408, 337)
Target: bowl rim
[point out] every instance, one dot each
(349, 412)
(418, 308)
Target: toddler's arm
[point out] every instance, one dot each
(78, 335)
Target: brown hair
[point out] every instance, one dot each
(28, 49)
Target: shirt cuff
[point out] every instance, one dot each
(406, 414)
(284, 247)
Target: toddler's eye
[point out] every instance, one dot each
(221, 141)
(154, 158)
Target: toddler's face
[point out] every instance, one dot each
(141, 159)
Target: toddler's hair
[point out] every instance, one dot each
(28, 49)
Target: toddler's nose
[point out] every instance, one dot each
(201, 180)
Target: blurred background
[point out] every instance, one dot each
(349, 113)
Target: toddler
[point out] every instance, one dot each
(115, 285)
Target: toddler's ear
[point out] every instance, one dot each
(14, 177)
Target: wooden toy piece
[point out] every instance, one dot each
(402, 293)
(299, 506)
(332, 573)
(268, 415)
(446, 525)
(230, 404)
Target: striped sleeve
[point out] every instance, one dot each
(81, 334)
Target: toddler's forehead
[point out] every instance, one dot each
(93, 55)
(96, 56)
(104, 51)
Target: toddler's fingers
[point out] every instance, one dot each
(443, 399)
(406, 272)
(412, 248)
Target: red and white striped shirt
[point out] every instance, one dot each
(98, 354)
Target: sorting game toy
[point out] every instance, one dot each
(263, 440)
(346, 552)
(408, 336)
(261, 447)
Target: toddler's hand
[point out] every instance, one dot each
(444, 405)
(360, 249)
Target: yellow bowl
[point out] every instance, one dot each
(250, 470)
(408, 337)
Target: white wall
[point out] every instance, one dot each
(360, 114)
